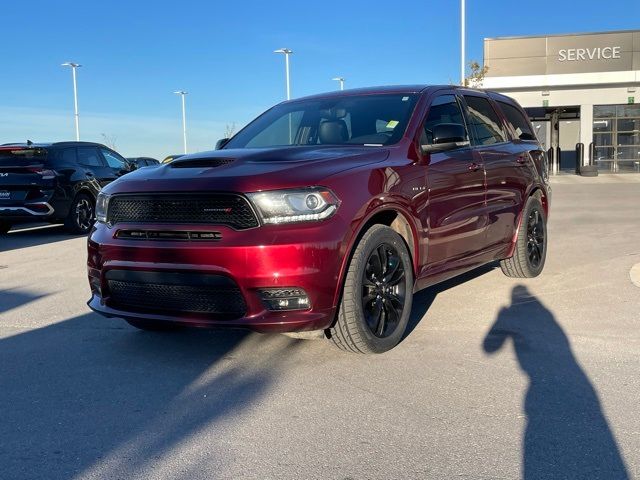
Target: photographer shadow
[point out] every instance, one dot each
(567, 434)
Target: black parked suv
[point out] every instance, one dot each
(55, 182)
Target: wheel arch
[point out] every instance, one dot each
(538, 192)
(393, 216)
(85, 190)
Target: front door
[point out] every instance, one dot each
(455, 182)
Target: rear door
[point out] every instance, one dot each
(24, 175)
(455, 181)
(506, 178)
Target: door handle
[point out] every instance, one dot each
(474, 167)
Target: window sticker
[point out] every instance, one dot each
(518, 131)
(404, 99)
(392, 124)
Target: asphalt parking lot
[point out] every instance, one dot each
(498, 378)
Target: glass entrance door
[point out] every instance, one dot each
(616, 138)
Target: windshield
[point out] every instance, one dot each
(348, 120)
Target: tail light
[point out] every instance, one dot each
(46, 173)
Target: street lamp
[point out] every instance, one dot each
(286, 53)
(462, 42)
(182, 93)
(341, 80)
(75, 96)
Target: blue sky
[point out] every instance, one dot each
(135, 53)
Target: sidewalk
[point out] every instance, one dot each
(572, 179)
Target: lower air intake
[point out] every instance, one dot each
(176, 293)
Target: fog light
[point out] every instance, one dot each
(94, 283)
(288, 298)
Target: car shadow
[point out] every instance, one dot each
(23, 236)
(567, 434)
(13, 298)
(91, 397)
(423, 299)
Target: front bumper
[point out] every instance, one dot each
(306, 256)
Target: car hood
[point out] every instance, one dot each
(248, 170)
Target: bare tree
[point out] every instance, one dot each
(476, 75)
(109, 140)
(229, 130)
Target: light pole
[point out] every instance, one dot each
(286, 53)
(182, 93)
(462, 41)
(75, 96)
(341, 80)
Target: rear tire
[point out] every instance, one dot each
(531, 245)
(150, 326)
(377, 295)
(82, 215)
(4, 227)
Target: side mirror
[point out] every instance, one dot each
(129, 166)
(446, 136)
(221, 143)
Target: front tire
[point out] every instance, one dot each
(530, 250)
(81, 215)
(377, 295)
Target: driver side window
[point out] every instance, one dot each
(443, 109)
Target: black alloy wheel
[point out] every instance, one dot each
(82, 215)
(384, 287)
(535, 238)
(530, 249)
(377, 295)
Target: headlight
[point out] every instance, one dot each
(102, 203)
(287, 206)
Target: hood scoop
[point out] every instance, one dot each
(201, 162)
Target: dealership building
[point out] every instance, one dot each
(577, 89)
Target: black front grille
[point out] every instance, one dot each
(176, 293)
(217, 209)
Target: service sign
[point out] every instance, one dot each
(594, 52)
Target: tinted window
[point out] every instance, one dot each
(443, 109)
(89, 156)
(66, 156)
(113, 159)
(350, 119)
(518, 121)
(16, 156)
(484, 121)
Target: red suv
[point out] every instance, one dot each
(326, 213)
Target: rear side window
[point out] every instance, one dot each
(89, 156)
(443, 109)
(484, 121)
(65, 157)
(518, 121)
